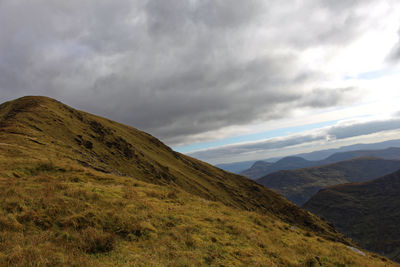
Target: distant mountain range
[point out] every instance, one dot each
(262, 168)
(239, 167)
(368, 212)
(301, 184)
(322, 154)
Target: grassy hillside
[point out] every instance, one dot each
(42, 129)
(300, 185)
(368, 212)
(80, 190)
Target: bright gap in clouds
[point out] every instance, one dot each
(254, 137)
(377, 119)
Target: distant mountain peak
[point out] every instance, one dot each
(291, 159)
(260, 163)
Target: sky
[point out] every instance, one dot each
(222, 81)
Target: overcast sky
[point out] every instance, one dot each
(221, 80)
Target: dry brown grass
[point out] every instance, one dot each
(49, 219)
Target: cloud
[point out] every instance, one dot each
(179, 70)
(394, 55)
(358, 129)
(327, 98)
(328, 134)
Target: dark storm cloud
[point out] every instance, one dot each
(337, 132)
(176, 69)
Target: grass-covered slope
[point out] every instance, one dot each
(300, 185)
(369, 212)
(42, 129)
(80, 190)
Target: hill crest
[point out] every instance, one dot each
(66, 134)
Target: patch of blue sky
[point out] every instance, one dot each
(254, 137)
(373, 74)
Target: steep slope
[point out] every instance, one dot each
(70, 190)
(299, 185)
(44, 124)
(262, 168)
(368, 212)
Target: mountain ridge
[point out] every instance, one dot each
(238, 167)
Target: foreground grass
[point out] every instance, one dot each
(55, 215)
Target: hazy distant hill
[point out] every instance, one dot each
(291, 163)
(81, 190)
(261, 168)
(388, 153)
(236, 167)
(301, 184)
(257, 168)
(323, 154)
(368, 212)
